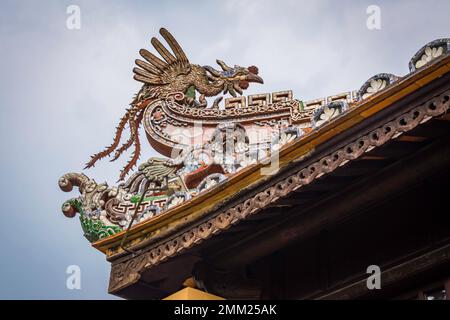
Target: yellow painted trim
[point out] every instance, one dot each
(192, 294)
(198, 206)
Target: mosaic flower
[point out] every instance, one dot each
(429, 54)
(375, 86)
(175, 201)
(285, 138)
(210, 183)
(246, 162)
(327, 114)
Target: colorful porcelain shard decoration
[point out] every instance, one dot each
(203, 144)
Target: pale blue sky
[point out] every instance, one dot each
(63, 91)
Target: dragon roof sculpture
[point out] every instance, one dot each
(204, 145)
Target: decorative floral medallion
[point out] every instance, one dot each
(429, 53)
(376, 84)
(328, 112)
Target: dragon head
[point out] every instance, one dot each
(235, 79)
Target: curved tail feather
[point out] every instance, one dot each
(113, 146)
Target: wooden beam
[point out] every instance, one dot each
(391, 276)
(445, 117)
(408, 138)
(369, 157)
(300, 223)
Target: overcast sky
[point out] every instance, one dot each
(63, 91)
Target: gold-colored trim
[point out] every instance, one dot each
(202, 204)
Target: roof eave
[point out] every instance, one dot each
(201, 206)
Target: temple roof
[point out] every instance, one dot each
(313, 140)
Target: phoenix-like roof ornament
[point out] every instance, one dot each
(171, 75)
